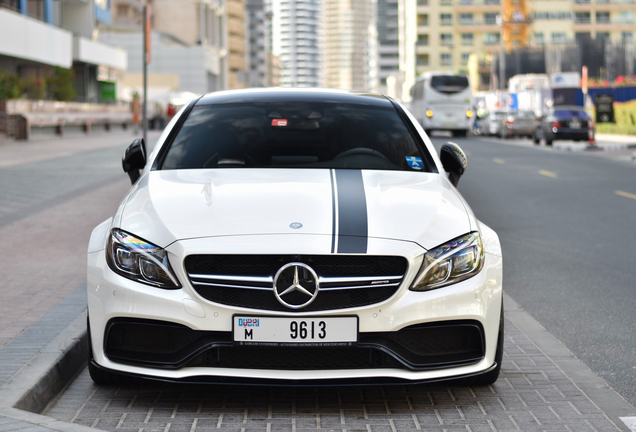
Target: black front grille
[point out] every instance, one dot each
(165, 345)
(266, 266)
(323, 265)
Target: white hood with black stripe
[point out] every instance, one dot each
(348, 205)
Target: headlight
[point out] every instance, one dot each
(450, 263)
(139, 260)
(429, 113)
(469, 114)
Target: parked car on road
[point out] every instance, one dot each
(517, 123)
(294, 236)
(563, 123)
(490, 123)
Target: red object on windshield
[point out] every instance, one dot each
(279, 122)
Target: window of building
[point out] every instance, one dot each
(492, 38)
(422, 2)
(465, 18)
(538, 38)
(446, 59)
(582, 37)
(492, 2)
(465, 57)
(552, 15)
(467, 39)
(490, 18)
(627, 37)
(422, 20)
(446, 2)
(602, 17)
(602, 35)
(582, 17)
(446, 19)
(626, 17)
(422, 39)
(446, 39)
(559, 37)
(422, 60)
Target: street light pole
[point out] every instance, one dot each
(146, 48)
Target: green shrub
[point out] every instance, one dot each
(34, 88)
(11, 86)
(61, 85)
(625, 116)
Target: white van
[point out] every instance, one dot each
(442, 101)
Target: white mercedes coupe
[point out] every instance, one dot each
(294, 237)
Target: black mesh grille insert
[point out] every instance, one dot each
(323, 265)
(282, 358)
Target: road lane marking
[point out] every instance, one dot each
(499, 161)
(630, 422)
(625, 194)
(547, 173)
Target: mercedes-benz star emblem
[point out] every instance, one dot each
(296, 285)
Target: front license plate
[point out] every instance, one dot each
(575, 125)
(308, 331)
(449, 124)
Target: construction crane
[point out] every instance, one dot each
(516, 23)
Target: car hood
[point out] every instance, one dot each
(348, 205)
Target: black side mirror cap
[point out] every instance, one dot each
(134, 159)
(454, 161)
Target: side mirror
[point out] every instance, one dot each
(454, 161)
(134, 159)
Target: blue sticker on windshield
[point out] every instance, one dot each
(414, 162)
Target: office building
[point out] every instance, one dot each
(297, 40)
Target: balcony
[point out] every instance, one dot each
(31, 39)
(479, 6)
(477, 26)
(603, 5)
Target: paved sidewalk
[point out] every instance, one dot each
(532, 394)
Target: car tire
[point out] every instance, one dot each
(491, 376)
(535, 140)
(548, 142)
(98, 375)
(459, 133)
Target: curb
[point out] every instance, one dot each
(590, 384)
(38, 384)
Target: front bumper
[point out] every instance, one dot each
(568, 134)
(475, 301)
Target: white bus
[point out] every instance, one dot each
(442, 101)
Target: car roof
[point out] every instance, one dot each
(293, 95)
(568, 107)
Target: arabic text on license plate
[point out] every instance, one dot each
(575, 125)
(302, 331)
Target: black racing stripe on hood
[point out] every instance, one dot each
(353, 226)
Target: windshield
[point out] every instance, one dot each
(294, 135)
(570, 113)
(449, 83)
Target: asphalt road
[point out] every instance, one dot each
(567, 223)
